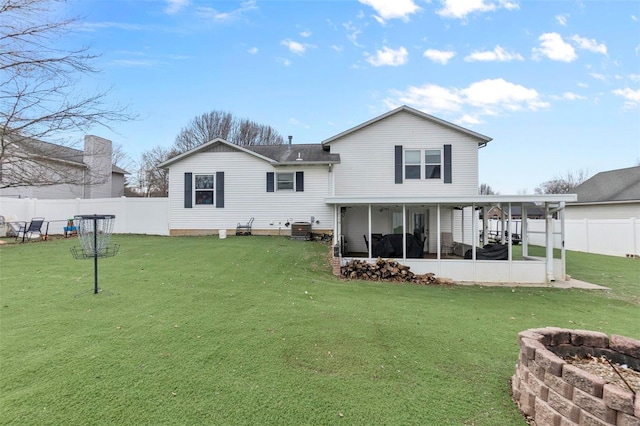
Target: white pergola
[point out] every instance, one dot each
(530, 269)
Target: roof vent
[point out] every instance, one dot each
(299, 158)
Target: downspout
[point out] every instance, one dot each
(438, 237)
(562, 248)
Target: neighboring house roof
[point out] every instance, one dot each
(51, 151)
(532, 211)
(482, 138)
(278, 155)
(610, 186)
(116, 169)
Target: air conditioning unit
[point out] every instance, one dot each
(301, 231)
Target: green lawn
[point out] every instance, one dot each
(256, 331)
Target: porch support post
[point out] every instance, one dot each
(438, 236)
(509, 223)
(562, 248)
(404, 232)
(485, 228)
(502, 224)
(336, 231)
(462, 222)
(370, 248)
(474, 234)
(525, 228)
(549, 242)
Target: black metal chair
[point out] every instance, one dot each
(244, 229)
(29, 231)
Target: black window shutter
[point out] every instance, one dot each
(219, 190)
(299, 181)
(447, 164)
(270, 179)
(188, 190)
(398, 163)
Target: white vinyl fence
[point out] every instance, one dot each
(613, 237)
(133, 215)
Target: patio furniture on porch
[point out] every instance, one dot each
(33, 229)
(390, 245)
(446, 243)
(490, 252)
(244, 229)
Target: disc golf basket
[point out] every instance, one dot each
(94, 232)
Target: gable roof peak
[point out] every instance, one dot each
(482, 139)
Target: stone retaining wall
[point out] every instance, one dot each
(553, 392)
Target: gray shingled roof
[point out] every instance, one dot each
(612, 185)
(59, 152)
(303, 153)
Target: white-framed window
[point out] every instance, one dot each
(432, 163)
(204, 188)
(285, 181)
(412, 163)
(422, 164)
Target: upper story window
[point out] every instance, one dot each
(417, 160)
(284, 181)
(432, 163)
(204, 189)
(412, 164)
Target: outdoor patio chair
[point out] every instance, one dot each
(244, 229)
(446, 243)
(33, 229)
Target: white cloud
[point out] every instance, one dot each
(569, 96)
(461, 8)
(352, 33)
(439, 56)
(215, 15)
(305, 33)
(468, 119)
(555, 48)
(634, 77)
(598, 76)
(396, 9)
(497, 54)
(388, 56)
(486, 97)
(253, 50)
(631, 96)
(175, 6)
(589, 44)
(562, 19)
(337, 48)
(430, 97)
(294, 46)
(284, 61)
(499, 93)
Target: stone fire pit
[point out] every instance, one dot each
(551, 391)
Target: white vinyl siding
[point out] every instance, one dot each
(366, 158)
(245, 195)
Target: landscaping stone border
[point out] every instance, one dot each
(553, 392)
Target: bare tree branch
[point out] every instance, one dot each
(38, 95)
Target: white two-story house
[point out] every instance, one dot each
(402, 185)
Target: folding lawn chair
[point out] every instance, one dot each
(33, 229)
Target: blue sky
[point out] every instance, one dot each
(556, 84)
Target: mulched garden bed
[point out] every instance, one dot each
(611, 372)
